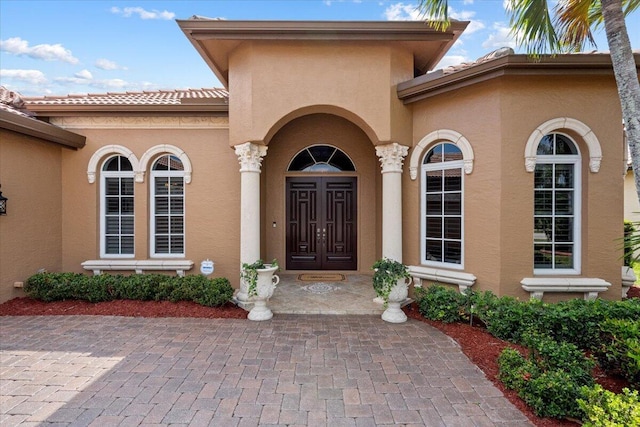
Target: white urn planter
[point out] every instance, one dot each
(398, 294)
(391, 283)
(266, 283)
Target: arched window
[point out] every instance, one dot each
(321, 158)
(117, 208)
(557, 206)
(442, 206)
(167, 207)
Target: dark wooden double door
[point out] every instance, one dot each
(321, 223)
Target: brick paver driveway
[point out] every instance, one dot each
(292, 370)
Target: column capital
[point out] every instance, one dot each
(391, 156)
(250, 156)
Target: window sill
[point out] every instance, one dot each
(463, 280)
(139, 266)
(588, 286)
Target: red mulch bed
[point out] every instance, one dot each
(30, 307)
(481, 347)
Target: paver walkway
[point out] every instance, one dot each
(291, 370)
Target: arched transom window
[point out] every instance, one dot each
(321, 158)
(556, 232)
(442, 206)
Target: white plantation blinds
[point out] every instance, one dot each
(442, 205)
(556, 196)
(117, 207)
(167, 207)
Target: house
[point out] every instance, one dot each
(331, 145)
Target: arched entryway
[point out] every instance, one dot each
(321, 211)
(321, 186)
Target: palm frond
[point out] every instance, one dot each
(436, 12)
(531, 25)
(573, 22)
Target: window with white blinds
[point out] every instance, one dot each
(556, 230)
(167, 207)
(117, 208)
(442, 206)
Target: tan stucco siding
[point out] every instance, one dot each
(30, 233)
(528, 103)
(330, 130)
(475, 114)
(497, 118)
(269, 82)
(212, 206)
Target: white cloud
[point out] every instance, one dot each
(467, 2)
(467, 15)
(410, 12)
(84, 74)
(450, 60)
(403, 12)
(501, 37)
(127, 12)
(105, 64)
(47, 52)
(35, 77)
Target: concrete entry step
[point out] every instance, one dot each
(353, 295)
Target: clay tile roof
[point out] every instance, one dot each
(160, 97)
(504, 51)
(12, 102)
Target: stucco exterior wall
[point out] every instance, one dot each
(30, 233)
(497, 117)
(212, 199)
(272, 83)
(528, 103)
(330, 130)
(474, 113)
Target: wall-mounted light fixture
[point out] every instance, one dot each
(3, 203)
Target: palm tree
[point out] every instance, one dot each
(567, 28)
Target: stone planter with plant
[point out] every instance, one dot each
(261, 282)
(390, 281)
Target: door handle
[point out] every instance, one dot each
(318, 235)
(324, 235)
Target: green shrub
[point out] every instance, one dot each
(140, 287)
(95, 288)
(552, 394)
(603, 408)
(515, 369)
(51, 286)
(619, 349)
(213, 292)
(105, 287)
(509, 319)
(550, 355)
(550, 378)
(439, 303)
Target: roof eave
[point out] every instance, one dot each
(427, 86)
(196, 107)
(38, 129)
(200, 30)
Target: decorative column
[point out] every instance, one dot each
(250, 157)
(391, 159)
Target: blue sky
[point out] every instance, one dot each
(91, 46)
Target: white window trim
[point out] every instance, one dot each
(435, 137)
(576, 160)
(458, 164)
(556, 125)
(152, 212)
(103, 223)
